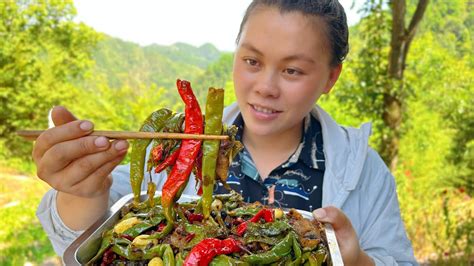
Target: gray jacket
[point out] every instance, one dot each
(356, 180)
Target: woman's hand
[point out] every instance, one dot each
(71, 161)
(345, 234)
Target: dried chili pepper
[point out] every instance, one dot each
(266, 214)
(165, 151)
(207, 249)
(227, 151)
(188, 152)
(197, 171)
(154, 122)
(210, 148)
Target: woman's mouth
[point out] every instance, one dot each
(263, 112)
(264, 109)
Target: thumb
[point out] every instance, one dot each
(59, 115)
(334, 216)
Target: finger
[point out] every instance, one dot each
(101, 179)
(62, 154)
(53, 136)
(82, 168)
(61, 115)
(334, 216)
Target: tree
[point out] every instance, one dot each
(378, 91)
(394, 95)
(42, 51)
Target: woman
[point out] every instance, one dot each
(288, 54)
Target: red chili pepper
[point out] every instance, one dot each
(189, 237)
(108, 257)
(157, 153)
(188, 152)
(129, 237)
(168, 161)
(207, 249)
(266, 214)
(241, 228)
(161, 226)
(194, 217)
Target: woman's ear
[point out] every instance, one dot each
(333, 77)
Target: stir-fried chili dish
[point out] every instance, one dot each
(214, 230)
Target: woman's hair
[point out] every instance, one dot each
(330, 11)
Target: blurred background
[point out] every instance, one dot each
(114, 62)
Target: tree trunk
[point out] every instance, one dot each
(393, 97)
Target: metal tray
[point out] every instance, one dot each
(87, 244)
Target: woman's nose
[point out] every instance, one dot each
(268, 85)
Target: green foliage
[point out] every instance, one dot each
(187, 54)
(23, 239)
(217, 74)
(41, 51)
(436, 156)
(447, 89)
(127, 64)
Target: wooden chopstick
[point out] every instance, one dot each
(34, 134)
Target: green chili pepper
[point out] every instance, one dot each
(232, 196)
(263, 239)
(231, 205)
(210, 148)
(163, 251)
(279, 251)
(245, 211)
(179, 260)
(168, 256)
(107, 240)
(315, 258)
(202, 231)
(297, 251)
(320, 256)
(153, 123)
(268, 229)
(151, 194)
(223, 260)
(166, 230)
(143, 226)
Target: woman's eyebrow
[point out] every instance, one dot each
(252, 48)
(301, 57)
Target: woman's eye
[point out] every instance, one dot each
(292, 71)
(251, 62)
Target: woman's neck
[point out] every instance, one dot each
(269, 151)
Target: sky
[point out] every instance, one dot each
(195, 22)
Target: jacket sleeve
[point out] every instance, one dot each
(382, 233)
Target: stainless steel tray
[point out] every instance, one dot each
(87, 244)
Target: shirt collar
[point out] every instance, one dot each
(309, 151)
(312, 153)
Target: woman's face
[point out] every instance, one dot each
(281, 67)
